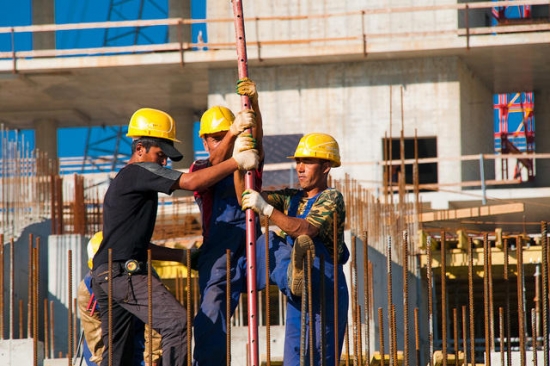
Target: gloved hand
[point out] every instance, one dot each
(254, 200)
(247, 160)
(244, 119)
(244, 142)
(245, 86)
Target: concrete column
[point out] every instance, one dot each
(43, 12)
(180, 9)
(184, 121)
(58, 247)
(46, 136)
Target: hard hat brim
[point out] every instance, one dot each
(335, 164)
(169, 150)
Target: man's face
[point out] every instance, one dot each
(154, 155)
(311, 172)
(212, 140)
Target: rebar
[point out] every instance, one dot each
(491, 296)
(188, 304)
(464, 332)
(381, 335)
(46, 333)
(367, 292)
(501, 335)
(70, 305)
(417, 337)
(471, 301)
(110, 306)
(335, 263)
(534, 335)
(36, 256)
(303, 316)
(507, 303)
(228, 305)
(486, 304)
(150, 306)
(311, 317)
(389, 291)
(443, 251)
(354, 295)
(30, 287)
(544, 269)
(267, 297)
(455, 335)
(430, 300)
(394, 335)
(52, 330)
(21, 333)
(406, 298)
(323, 311)
(2, 330)
(12, 287)
(521, 304)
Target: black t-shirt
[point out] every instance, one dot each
(130, 210)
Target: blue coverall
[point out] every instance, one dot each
(279, 259)
(226, 230)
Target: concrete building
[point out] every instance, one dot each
(374, 75)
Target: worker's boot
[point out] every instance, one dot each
(295, 273)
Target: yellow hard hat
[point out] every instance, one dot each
(320, 146)
(93, 246)
(216, 119)
(149, 122)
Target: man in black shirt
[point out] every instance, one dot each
(129, 214)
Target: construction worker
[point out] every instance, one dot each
(91, 323)
(129, 214)
(224, 228)
(306, 216)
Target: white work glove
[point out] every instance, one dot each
(244, 119)
(245, 86)
(247, 160)
(244, 142)
(253, 200)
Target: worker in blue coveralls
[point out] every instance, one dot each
(306, 216)
(224, 225)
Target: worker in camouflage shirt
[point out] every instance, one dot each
(306, 217)
(320, 214)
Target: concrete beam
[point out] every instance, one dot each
(472, 212)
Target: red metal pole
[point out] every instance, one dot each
(250, 215)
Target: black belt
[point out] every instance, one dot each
(130, 267)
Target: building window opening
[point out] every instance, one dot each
(421, 148)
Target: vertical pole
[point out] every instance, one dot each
(242, 66)
(482, 177)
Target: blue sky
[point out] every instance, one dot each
(72, 141)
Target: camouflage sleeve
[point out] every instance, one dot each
(321, 216)
(280, 199)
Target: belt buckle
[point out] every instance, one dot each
(131, 266)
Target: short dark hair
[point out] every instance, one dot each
(146, 142)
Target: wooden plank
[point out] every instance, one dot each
(471, 212)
